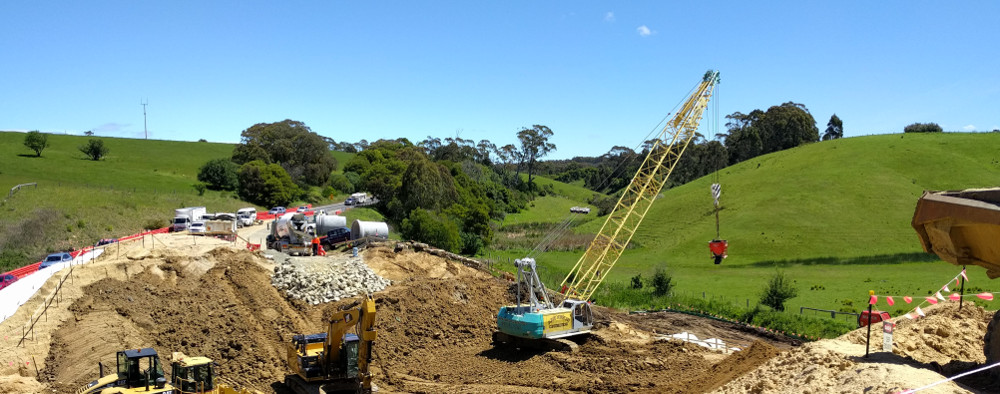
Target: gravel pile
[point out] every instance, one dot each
(317, 280)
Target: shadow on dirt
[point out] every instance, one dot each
(980, 382)
(510, 354)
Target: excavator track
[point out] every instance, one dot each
(547, 344)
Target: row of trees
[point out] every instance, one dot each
(445, 193)
(38, 141)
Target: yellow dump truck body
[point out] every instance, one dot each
(962, 227)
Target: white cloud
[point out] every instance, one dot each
(969, 128)
(111, 127)
(609, 17)
(644, 31)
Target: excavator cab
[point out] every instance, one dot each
(194, 375)
(140, 368)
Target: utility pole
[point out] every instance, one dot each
(144, 129)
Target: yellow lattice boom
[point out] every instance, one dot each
(624, 219)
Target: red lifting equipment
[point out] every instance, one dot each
(718, 248)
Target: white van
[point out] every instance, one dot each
(246, 216)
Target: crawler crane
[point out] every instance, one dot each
(538, 322)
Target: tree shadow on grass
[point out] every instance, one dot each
(880, 259)
(28, 155)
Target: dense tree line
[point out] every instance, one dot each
(447, 202)
(747, 136)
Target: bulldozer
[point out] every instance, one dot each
(963, 228)
(140, 371)
(337, 360)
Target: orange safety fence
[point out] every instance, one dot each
(33, 267)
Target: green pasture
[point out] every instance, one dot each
(77, 200)
(834, 216)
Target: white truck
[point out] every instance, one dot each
(246, 216)
(183, 217)
(357, 199)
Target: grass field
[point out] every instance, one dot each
(78, 200)
(834, 216)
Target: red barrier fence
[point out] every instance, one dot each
(33, 267)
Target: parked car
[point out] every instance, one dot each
(55, 258)
(197, 228)
(303, 208)
(336, 236)
(349, 201)
(277, 211)
(7, 279)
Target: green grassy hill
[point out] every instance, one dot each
(834, 216)
(78, 200)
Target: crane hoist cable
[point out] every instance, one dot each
(558, 232)
(621, 224)
(718, 246)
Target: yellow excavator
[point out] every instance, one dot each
(535, 322)
(963, 228)
(140, 371)
(337, 360)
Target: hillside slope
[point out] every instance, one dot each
(834, 215)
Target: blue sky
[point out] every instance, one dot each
(599, 74)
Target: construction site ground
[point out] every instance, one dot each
(204, 296)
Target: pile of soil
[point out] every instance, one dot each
(946, 334)
(434, 325)
(946, 342)
(228, 314)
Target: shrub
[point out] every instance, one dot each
(637, 281)
(421, 225)
(778, 290)
(922, 128)
(155, 223)
(220, 174)
(94, 149)
(341, 183)
(662, 282)
(266, 184)
(471, 243)
(200, 187)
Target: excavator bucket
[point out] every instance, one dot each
(962, 227)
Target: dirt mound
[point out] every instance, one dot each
(946, 334)
(228, 314)
(435, 325)
(407, 264)
(814, 368)
(19, 385)
(435, 336)
(734, 366)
